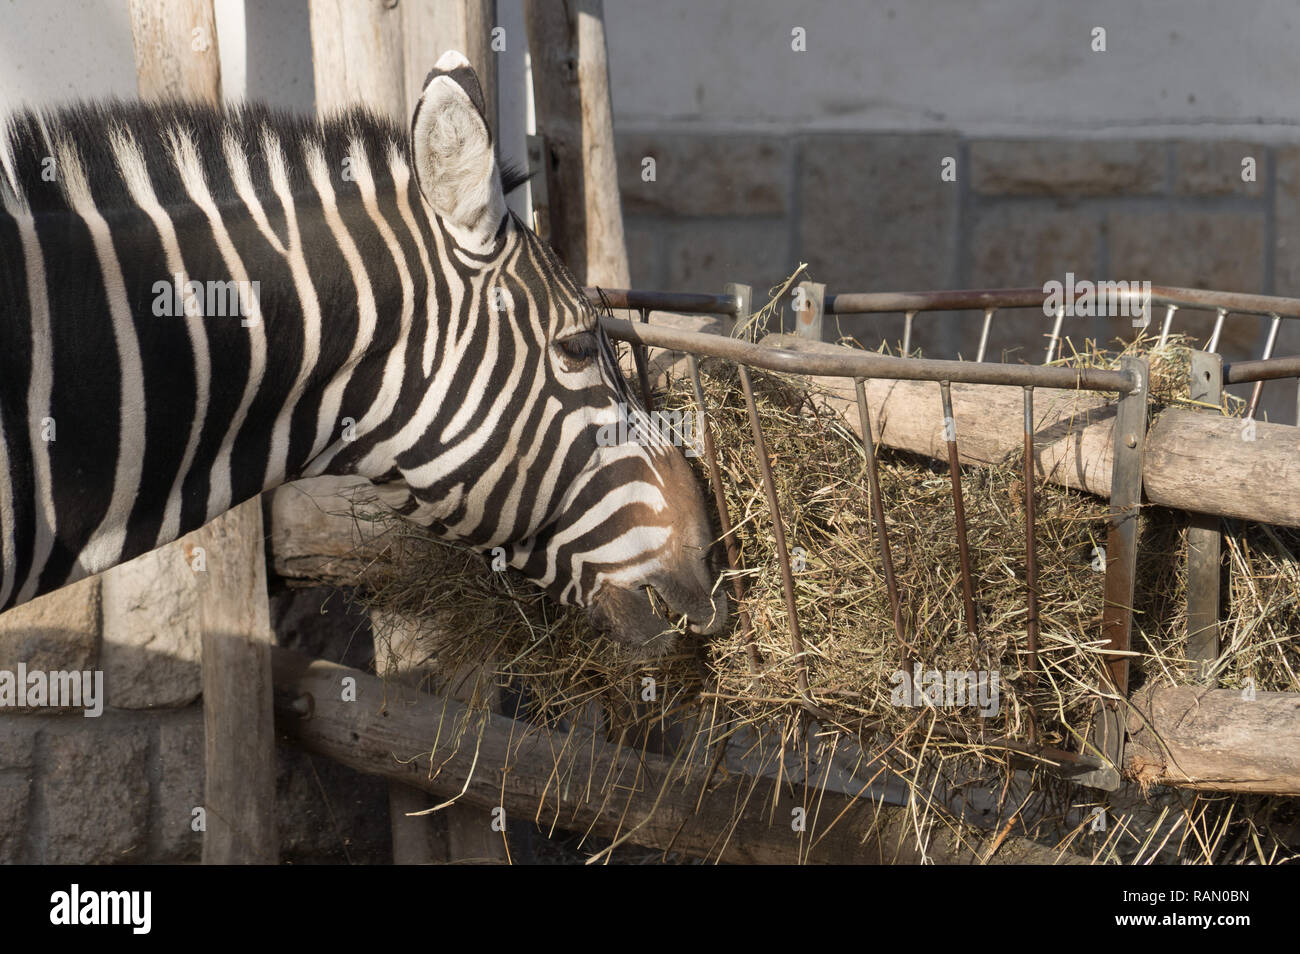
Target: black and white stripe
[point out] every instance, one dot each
(408, 329)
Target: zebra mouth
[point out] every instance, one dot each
(648, 618)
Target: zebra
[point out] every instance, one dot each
(378, 312)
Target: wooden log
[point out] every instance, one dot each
(1215, 739)
(574, 118)
(176, 56)
(508, 768)
(1194, 460)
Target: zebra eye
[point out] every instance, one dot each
(580, 347)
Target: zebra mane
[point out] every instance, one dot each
(29, 137)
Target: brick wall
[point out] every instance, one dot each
(870, 212)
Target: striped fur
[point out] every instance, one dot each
(400, 331)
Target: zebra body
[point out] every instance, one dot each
(391, 320)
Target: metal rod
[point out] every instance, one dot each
(878, 513)
(863, 303)
(907, 333)
(1213, 344)
(1056, 334)
(1169, 321)
(794, 358)
(984, 333)
(729, 543)
(959, 509)
(641, 359)
(1031, 544)
(1268, 353)
(1242, 371)
(778, 530)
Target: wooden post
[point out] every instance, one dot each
(571, 93)
(386, 71)
(432, 27)
(176, 56)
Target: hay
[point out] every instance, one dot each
(495, 626)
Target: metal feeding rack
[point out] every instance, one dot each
(1101, 757)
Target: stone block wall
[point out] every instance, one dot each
(871, 212)
(122, 787)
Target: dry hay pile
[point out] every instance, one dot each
(852, 656)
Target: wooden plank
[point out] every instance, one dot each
(357, 56)
(509, 767)
(238, 730)
(432, 27)
(176, 56)
(576, 122)
(176, 53)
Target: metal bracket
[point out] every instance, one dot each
(808, 321)
(744, 296)
(1108, 726)
(1204, 544)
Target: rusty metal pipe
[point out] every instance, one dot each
(641, 358)
(959, 509)
(878, 513)
(778, 530)
(853, 363)
(1031, 545)
(729, 544)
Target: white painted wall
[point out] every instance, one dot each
(981, 67)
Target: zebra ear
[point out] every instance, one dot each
(454, 162)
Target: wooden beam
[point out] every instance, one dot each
(504, 766)
(176, 56)
(1226, 740)
(432, 27)
(576, 122)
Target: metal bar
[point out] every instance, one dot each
(959, 509)
(808, 320)
(852, 363)
(1268, 353)
(634, 299)
(1213, 344)
(863, 303)
(1239, 372)
(907, 333)
(1121, 569)
(1056, 335)
(1204, 544)
(1169, 322)
(639, 356)
(778, 530)
(878, 513)
(730, 547)
(1031, 543)
(984, 333)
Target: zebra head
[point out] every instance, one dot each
(507, 450)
